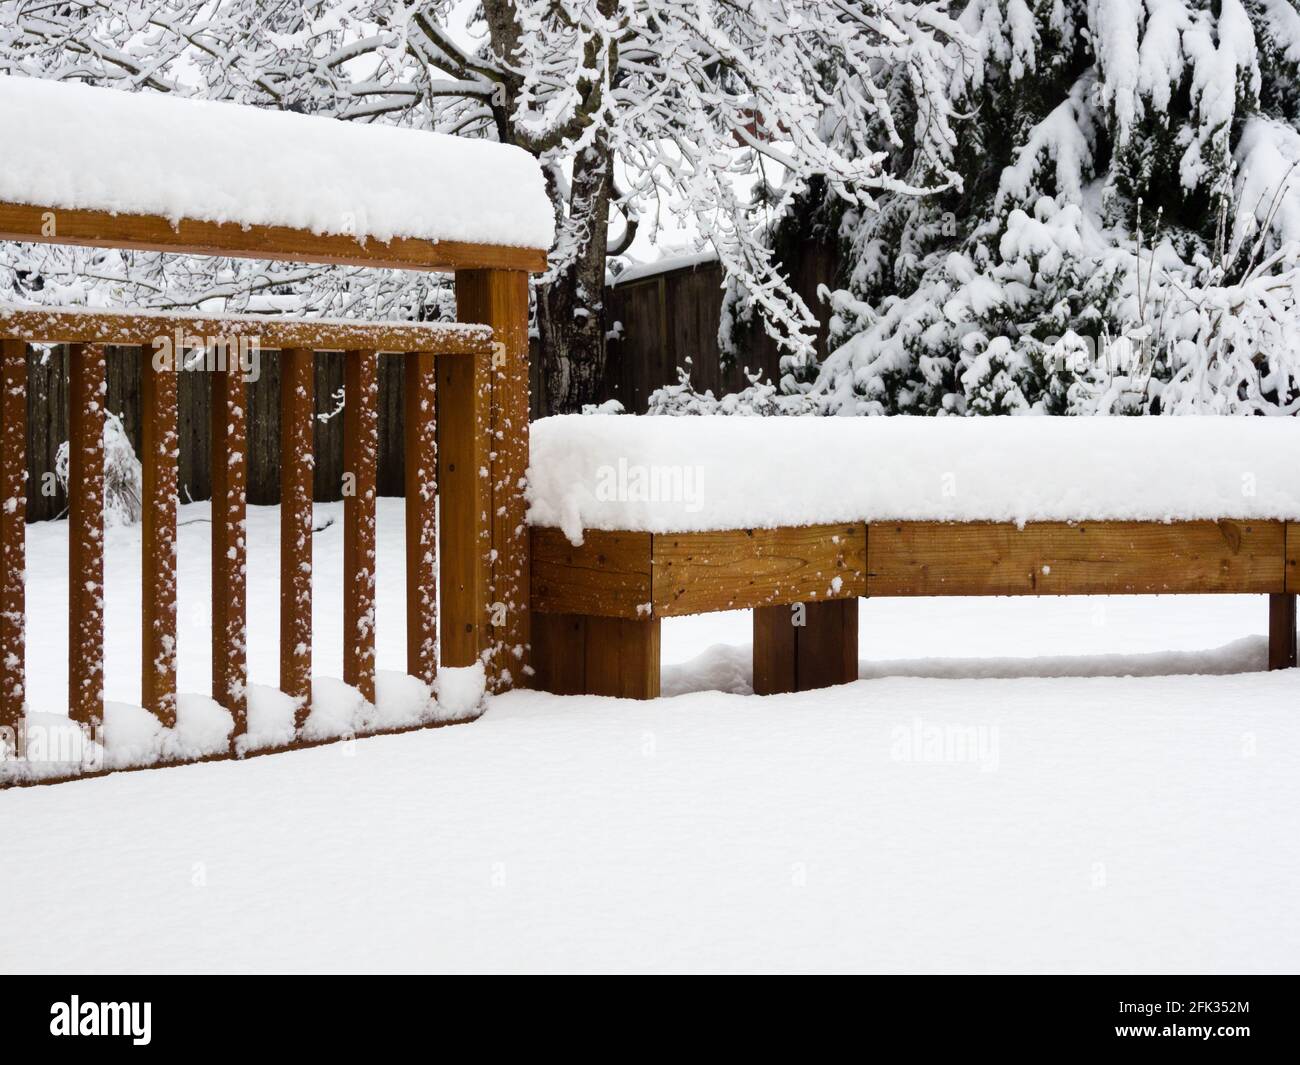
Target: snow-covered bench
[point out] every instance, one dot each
(638, 519)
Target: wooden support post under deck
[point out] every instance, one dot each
(13, 517)
(421, 437)
(87, 393)
(1282, 631)
(360, 464)
(499, 298)
(297, 414)
(465, 530)
(579, 654)
(159, 451)
(622, 657)
(229, 544)
(822, 651)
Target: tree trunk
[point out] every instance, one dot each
(570, 313)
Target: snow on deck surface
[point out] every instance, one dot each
(73, 146)
(1041, 798)
(661, 474)
(897, 824)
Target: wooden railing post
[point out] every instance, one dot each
(499, 298)
(87, 393)
(13, 516)
(229, 544)
(159, 452)
(463, 495)
(297, 413)
(420, 447)
(360, 467)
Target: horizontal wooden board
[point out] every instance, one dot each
(608, 575)
(698, 572)
(1089, 558)
(272, 334)
(100, 229)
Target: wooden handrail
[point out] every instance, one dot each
(73, 326)
(100, 229)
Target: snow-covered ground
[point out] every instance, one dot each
(1013, 786)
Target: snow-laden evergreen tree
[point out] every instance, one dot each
(1125, 237)
(684, 101)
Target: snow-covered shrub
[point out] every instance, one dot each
(1126, 237)
(123, 489)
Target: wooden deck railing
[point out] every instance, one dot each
(447, 425)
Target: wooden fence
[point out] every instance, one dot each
(666, 317)
(47, 426)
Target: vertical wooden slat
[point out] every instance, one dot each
(159, 451)
(86, 394)
(499, 298)
(1281, 631)
(421, 438)
(228, 422)
(465, 533)
(297, 413)
(13, 515)
(360, 461)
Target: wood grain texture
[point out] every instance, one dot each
(13, 550)
(464, 491)
(158, 455)
(1281, 631)
(1293, 556)
(828, 644)
(360, 465)
(622, 657)
(499, 298)
(421, 431)
(703, 571)
(297, 413)
(86, 397)
(776, 651)
(559, 654)
(801, 647)
(607, 575)
(100, 229)
(1090, 558)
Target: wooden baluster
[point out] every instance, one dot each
(420, 443)
(229, 543)
(160, 449)
(499, 298)
(464, 494)
(13, 516)
(87, 392)
(297, 413)
(360, 467)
